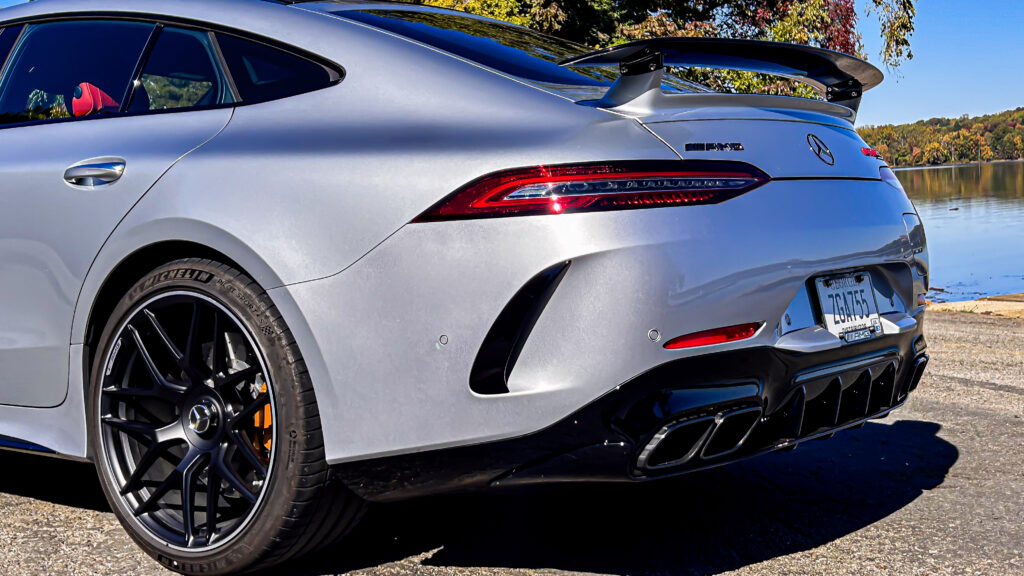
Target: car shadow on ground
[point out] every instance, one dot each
(703, 523)
(63, 482)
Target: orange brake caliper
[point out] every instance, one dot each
(264, 422)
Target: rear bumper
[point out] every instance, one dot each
(400, 331)
(716, 409)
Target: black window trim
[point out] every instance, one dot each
(133, 85)
(223, 62)
(337, 71)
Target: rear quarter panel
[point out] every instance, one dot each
(316, 181)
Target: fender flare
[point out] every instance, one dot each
(127, 241)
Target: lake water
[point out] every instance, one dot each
(974, 219)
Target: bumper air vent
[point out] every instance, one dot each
(500, 349)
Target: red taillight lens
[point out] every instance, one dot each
(715, 336)
(597, 187)
(872, 153)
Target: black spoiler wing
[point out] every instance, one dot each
(840, 78)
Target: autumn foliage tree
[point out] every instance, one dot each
(950, 140)
(829, 24)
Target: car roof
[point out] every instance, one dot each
(164, 7)
(335, 6)
(356, 4)
(212, 10)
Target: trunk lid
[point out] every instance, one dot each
(785, 138)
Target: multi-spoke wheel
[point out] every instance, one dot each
(197, 387)
(187, 414)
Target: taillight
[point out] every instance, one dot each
(714, 336)
(625, 185)
(889, 177)
(872, 153)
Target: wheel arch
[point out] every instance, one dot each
(148, 244)
(128, 271)
(129, 255)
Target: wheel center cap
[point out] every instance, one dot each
(202, 418)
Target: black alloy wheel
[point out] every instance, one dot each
(187, 414)
(205, 427)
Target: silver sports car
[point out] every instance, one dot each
(263, 262)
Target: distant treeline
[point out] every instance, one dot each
(950, 140)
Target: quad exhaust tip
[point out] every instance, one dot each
(705, 438)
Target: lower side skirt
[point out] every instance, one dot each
(16, 445)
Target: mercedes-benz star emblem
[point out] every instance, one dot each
(200, 418)
(820, 149)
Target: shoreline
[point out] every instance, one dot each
(1007, 306)
(956, 165)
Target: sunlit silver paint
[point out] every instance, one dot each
(51, 229)
(313, 195)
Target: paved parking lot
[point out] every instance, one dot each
(938, 488)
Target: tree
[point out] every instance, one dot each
(934, 154)
(508, 10)
(826, 23)
(963, 139)
(1011, 146)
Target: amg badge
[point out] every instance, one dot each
(714, 147)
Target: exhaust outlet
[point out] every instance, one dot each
(676, 444)
(732, 430)
(704, 438)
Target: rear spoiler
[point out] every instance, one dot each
(839, 78)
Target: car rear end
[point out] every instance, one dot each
(627, 319)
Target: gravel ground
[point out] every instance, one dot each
(938, 488)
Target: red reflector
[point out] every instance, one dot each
(624, 185)
(715, 336)
(872, 153)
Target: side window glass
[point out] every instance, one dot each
(263, 73)
(182, 72)
(70, 69)
(8, 36)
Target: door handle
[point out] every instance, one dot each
(96, 173)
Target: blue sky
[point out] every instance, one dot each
(969, 59)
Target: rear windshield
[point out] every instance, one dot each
(512, 50)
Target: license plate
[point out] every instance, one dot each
(848, 306)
